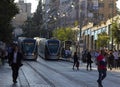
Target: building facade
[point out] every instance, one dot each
(24, 13)
(107, 9)
(90, 34)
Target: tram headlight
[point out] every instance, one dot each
(32, 54)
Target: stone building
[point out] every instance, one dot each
(24, 13)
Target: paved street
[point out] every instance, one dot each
(79, 30)
(55, 74)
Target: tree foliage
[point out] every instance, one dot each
(37, 17)
(32, 27)
(64, 34)
(118, 11)
(102, 40)
(8, 10)
(116, 30)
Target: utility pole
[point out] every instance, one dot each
(112, 15)
(80, 28)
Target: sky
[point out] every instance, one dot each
(118, 4)
(35, 3)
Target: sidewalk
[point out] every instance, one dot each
(6, 76)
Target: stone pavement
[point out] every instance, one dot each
(6, 74)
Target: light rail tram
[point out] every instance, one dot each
(49, 48)
(29, 48)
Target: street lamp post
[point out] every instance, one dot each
(64, 16)
(80, 29)
(79, 44)
(55, 23)
(111, 26)
(112, 3)
(80, 24)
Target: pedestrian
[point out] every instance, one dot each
(84, 56)
(15, 61)
(63, 52)
(89, 61)
(110, 60)
(116, 59)
(76, 62)
(3, 57)
(96, 54)
(0, 56)
(102, 67)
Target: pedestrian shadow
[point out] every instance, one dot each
(14, 85)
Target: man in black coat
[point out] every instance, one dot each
(89, 61)
(14, 61)
(76, 61)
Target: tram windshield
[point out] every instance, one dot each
(53, 47)
(28, 47)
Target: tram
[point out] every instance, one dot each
(49, 48)
(29, 48)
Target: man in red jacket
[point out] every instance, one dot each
(101, 62)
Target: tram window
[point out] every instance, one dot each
(53, 47)
(28, 47)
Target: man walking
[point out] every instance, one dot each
(101, 63)
(14, 60)
(89, 61)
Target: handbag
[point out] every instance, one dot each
(77, 64)
(91, 61)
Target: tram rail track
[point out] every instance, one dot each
(116, 81)
(22, 78)
(82, 83)
(110, 73)
(46, 79)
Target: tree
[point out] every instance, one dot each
(102, 40)
(33, 26)
(8, 10)
(37, 20)
(118, 11)
(116, 30)
(37, 17)
(64, 34)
